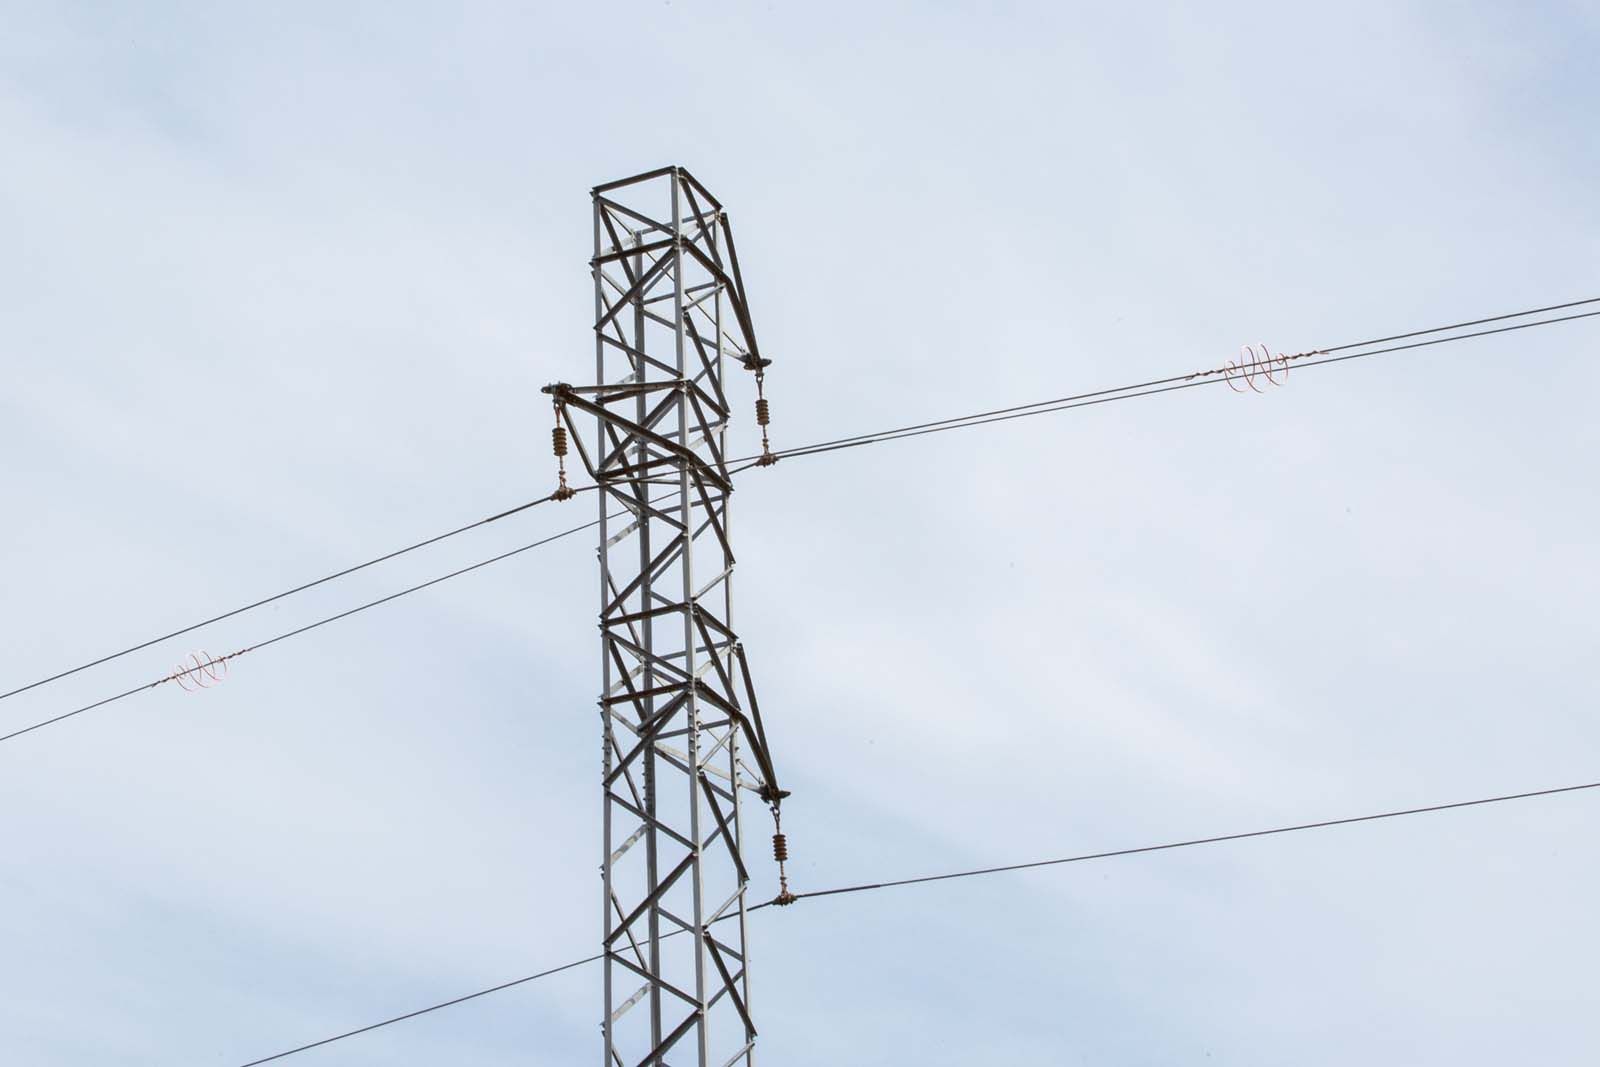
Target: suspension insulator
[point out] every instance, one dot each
(763, 412)
(780, 848)
(558, 439)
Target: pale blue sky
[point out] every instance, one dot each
(282, 284)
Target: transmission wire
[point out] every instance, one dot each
(424, 1011)
(1184, 844)
(1044, 407)
(304, 629)
(866, 887)
(1149, 388)
(276, 596)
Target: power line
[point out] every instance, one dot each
(1464, 325)
(274, 597)
(1187, 844)
(1162, 385)
(303, 629)
(983, 418)
(865, 887)
(424, 1011)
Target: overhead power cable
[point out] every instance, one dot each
(274, 597)
(423, 1011)
(300, 630)
(865, 887)
(1172, 384)
(982, 418)
(1463, 325)
(1191, 842)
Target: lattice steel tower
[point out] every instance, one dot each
(682, 733)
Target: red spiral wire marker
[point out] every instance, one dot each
(1253, 361)
(1281, 361)
(202, 672)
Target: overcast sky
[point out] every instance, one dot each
(281, 283)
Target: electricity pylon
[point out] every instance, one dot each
(682, 733)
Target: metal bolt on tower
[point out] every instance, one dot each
(682, 734)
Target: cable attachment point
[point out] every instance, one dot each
(780, 852)
(558, 442)
(763, 409)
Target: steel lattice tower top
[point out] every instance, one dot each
(682, 733)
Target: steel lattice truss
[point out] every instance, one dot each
(682, 731)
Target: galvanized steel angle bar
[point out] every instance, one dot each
(646, 736)
(641, 250)
(695, 184)
(738, 288)
(634, 429)
(735, 291)
(700, 615)
(707, 232)
(705, 362)
(623, 346)
(655, 1054)
(638, 288)
(728, 985)
(639, 813)
(723, 830)
(653, 898)
(635, 179)
(653, 570)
